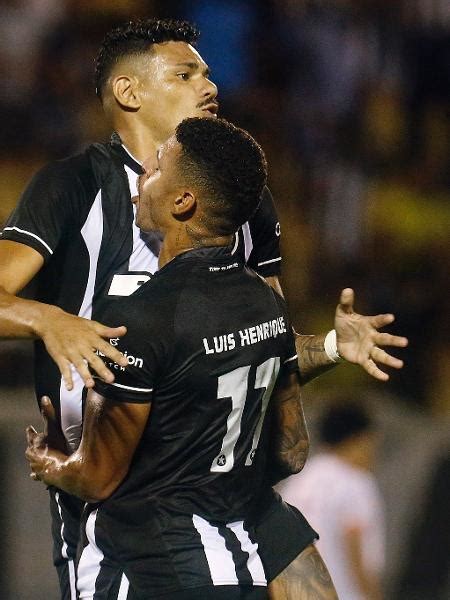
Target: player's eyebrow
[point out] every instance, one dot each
(194, 66)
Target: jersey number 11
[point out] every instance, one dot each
(234, 385)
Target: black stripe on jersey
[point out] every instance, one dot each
(240, 557)
(107, 584)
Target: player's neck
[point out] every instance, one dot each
(181, 239)
(140, 143)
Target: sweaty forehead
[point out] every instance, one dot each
(173, 53)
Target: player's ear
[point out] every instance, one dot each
(125, 90)
(184, 205)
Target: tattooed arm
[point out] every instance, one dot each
(290, 440)
(305, 578)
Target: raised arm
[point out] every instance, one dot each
(111, 433)
(355, 339)
(290, 440)
(70, 340)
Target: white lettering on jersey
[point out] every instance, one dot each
(220, 343)
(134, 361)
(224, 267)
(248, 336)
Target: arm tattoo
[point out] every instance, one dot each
(306, 578)
(293, 441)
(312, 358)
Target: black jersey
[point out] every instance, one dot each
(77, 213)
(206, 339)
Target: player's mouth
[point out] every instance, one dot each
(212, 108)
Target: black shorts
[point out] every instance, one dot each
(66, 511)
(165, 554)
(219, 592)
(282, 533)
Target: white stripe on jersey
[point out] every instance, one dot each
(123, 590)
(30, 234)
(267, 262)
(90, 561)
(134, 389)
(71, 566)
(73, 580)
(254, 564)
(291, 359)
(248, 242)
(236, 242)
(142, 258)
(219, 558)
(64, 544)
(92, 232)
(71, 401)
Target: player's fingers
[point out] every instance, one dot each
(379, 321)
(30, 433)
(64, 367)
(48, 413)
(347, 300)
(112, 353)
(109, 332)
(34, 476)
(386, 339)
(373, 370)
(97, 365)
(81, 366)
(381, 356)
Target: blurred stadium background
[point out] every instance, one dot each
(350, 100)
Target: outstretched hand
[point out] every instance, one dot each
(359, 341)
(38, 443)
(73, 342)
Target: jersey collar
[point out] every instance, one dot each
(126, 157)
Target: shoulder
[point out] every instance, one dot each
(63, 174)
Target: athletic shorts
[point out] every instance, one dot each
(66, 511)
(166, 553)
(282, 533)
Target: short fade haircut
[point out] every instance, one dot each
(343, 421)
(228, 165)
(135, 38)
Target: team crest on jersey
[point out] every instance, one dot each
(221, 460)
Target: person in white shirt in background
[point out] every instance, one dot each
(339, 496)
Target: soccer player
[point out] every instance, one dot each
(74, 230)
(176, 449)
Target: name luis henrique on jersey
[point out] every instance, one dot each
(220, 343)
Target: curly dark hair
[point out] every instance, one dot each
(136, 38)
(228, 165)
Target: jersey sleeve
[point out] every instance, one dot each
(144, 351)
(265, 256)
(45, 210)
(289, 360)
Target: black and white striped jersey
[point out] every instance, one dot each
(77, 213)
(206, 341)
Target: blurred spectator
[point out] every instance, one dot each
(340, 497)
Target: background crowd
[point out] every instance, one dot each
(350, 100)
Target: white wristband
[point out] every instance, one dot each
(330, 347)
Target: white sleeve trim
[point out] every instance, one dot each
(133, 389)
(266, 262)
(291, 359)
(30, 234)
